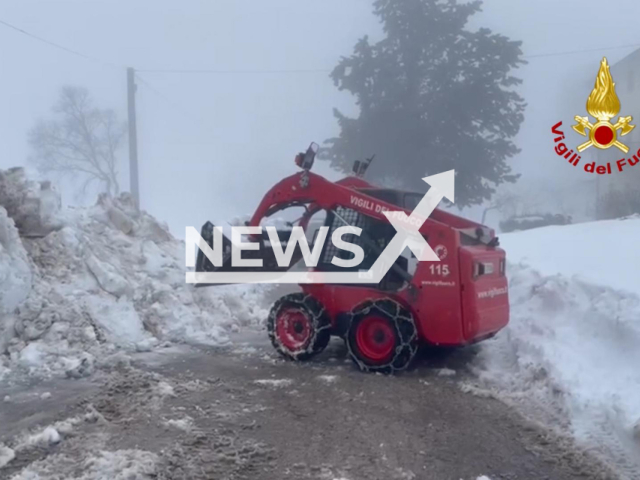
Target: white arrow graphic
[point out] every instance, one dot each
(408, 227)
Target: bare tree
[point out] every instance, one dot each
(81, 141)
(514, 201)
(503, 201)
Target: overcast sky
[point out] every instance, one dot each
(212, 144)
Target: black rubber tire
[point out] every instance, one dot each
(405, 333)
(316, 316)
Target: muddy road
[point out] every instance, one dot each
(240, 412)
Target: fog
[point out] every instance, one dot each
(212, 143)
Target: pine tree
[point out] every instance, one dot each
(432, 96)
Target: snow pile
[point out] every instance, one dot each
(120, 465)
(276, 383)
(571, 354)
(15, 273)
(103, 465)
(78, 285)
(34, 206)
(6, 455)
(605, 253)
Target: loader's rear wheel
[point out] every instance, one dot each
(376, 339)
(382, 336)
(298, 326)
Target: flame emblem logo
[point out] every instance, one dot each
(603, 104)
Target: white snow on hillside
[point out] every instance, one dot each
(570, 356)
(79, 286)
(605, 252)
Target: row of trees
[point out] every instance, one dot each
(432, 96)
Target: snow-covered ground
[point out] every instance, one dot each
(604, 253)
(571, 355)
(84, 286)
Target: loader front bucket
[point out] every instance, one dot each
(265, 253)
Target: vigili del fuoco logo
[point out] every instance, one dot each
(603, 104)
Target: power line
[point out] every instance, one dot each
(206, 71)
(257, 71)
(573, 52)
(167, 100)
(55, 45)
(94, 59)
(250, 72)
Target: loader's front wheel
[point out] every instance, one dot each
(299, 327)
(382, 336)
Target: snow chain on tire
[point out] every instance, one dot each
(316, 315)
(405, 330)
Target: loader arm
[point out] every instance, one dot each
(321, 194)
(349, 182)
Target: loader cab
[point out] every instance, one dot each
(408, 200)
(376, 235)
(470, 235)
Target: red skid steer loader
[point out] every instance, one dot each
(461, 299)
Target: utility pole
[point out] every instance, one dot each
(133, 137)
